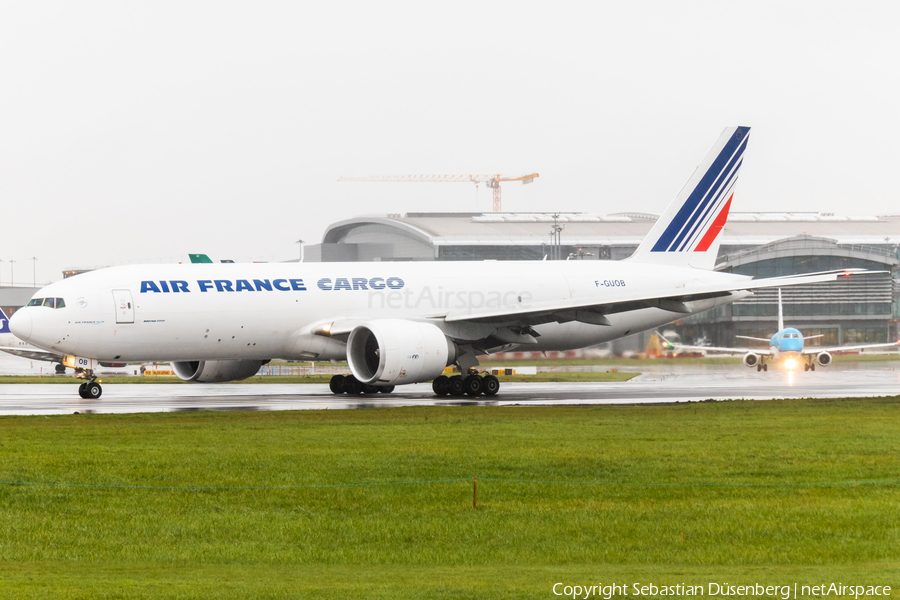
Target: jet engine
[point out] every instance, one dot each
(823, 358)
(751, 359)
(395, 351)
(215, 371)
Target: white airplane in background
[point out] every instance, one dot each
(785, 346)
(13, 345)
(399, 323)
(10, 344)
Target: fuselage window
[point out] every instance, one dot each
(35, 302)
(51, 302)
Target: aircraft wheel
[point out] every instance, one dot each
(441, 385)
(806, 367)
(386, 389)
(473, 385)
(765, 367)
(369, 389)
(758, 368)
(336, 385)
(81, 390)
(60, 369)
(812, 367)
(92, 390)
(456, 386)
(352, 385)
(491, 385)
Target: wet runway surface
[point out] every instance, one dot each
(662, 384)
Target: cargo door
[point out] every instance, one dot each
(124, 306)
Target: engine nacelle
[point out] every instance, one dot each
(396, 351)
(823, 358)
(751, 359)
(215, 371)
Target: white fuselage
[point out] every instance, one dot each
(264, 311)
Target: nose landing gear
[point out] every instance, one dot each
(90, 390)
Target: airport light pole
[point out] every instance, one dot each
(34, 271)
(300, 244)
(12, 273)
(555, 239)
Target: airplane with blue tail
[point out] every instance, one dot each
(785, 347)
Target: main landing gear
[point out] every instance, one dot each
(348, 384)
(472, 384)
(762, 367)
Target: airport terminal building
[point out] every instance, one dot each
(852, 310)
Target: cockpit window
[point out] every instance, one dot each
(48, 302)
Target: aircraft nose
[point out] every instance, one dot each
(20, 324)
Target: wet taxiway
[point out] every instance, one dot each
(665, 384)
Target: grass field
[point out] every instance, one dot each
(199, 505)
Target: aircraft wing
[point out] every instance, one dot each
(593, 312)
(33, 354)
(490, 319)
(816, 350)
(764, 351)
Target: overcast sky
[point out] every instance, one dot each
(139, 132)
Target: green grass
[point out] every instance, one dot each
(561, 376)
(424, 540)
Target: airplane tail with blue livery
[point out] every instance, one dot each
(687, 233)
(4, 322)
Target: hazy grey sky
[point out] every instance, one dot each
(139, 132)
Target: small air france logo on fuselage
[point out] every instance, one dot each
(175, 286)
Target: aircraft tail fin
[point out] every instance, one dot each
(4, 322)
(687, 233)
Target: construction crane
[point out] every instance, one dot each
(492, 181)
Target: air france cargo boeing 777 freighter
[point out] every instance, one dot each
(398, 323)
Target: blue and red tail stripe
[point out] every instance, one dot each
(693, 226)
